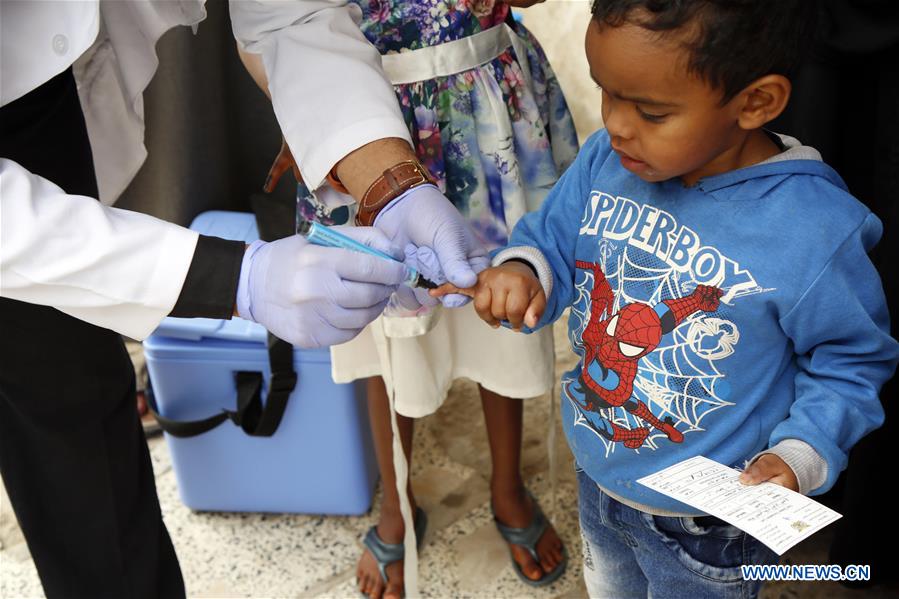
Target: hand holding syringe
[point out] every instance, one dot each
(319, 234)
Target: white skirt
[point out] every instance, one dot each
(421, 369)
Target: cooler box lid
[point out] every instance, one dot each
(237, 226)
(197, 329)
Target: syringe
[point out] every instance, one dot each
(323, 235)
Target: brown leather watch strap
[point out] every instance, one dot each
(392, 183)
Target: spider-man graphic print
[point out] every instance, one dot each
(614, 343)
(653, 320)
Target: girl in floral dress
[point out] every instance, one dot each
(496, 136)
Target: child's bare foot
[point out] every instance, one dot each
(515, 508)
(368, 576)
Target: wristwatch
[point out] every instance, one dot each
(395, 181)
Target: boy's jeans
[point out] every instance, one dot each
(629, 553)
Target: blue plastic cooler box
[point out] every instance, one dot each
(319, 461)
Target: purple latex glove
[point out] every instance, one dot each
(424, 217)
(424, 260)
(314, 296)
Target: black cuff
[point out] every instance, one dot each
(211, 284)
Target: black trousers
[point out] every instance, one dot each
(72, 452)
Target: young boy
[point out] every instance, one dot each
(722, 301)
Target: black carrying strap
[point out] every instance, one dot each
(255, 418)
(274, 220)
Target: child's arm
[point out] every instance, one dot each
(540, 254)
(840, 331)
(546, 239)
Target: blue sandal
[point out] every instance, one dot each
(389, 553)
(528, 537)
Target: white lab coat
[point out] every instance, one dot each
(123, 270)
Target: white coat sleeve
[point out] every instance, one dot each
(327, 87)
(114, 268)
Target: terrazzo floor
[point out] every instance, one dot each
(255, 555)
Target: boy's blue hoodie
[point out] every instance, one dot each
(722, 319)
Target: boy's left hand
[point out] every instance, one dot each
(770, 468)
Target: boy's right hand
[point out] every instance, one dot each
(510, 292)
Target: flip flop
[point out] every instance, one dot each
(389, 553)
(528, 537)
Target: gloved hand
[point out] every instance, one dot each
(314, 296)
(424, 260)
(424, 217)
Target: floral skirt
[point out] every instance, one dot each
(496, 139)
(422, 369)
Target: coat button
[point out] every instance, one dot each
(60, 44)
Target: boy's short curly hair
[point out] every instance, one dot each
(736, 41)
